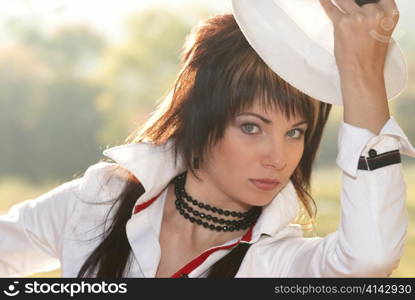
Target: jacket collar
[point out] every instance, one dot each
(154, 167)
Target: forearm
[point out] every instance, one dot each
(364, 100)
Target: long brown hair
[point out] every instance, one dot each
(221, 75)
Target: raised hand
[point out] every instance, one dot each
(361, 39)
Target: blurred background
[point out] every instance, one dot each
(77, 77)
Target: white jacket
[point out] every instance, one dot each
(52, 231)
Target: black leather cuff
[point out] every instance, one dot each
(376, 161)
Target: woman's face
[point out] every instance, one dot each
(257, 144)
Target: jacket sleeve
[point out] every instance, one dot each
(371, 236)
(32, 231)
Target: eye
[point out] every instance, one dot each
(298, 133)
(249, 128)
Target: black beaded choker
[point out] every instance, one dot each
(186, 206)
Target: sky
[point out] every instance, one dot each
(107, 17)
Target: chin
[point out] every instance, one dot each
(265, 202)
(261, 199)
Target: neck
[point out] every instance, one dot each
(195, 236)
(206, 191)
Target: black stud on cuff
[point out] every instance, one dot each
(376, 161)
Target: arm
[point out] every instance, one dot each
(371, 235)
(370, 239)
(33, 232)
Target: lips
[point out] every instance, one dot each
(265, 184)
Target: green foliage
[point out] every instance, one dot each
(65, 93)
(138, 72)
(405, 110)
(45, 109)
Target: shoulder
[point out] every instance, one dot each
(98, 191)
(100, 183)
(103, 182)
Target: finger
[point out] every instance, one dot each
(348, 6)
(331, 10)
(389, 6)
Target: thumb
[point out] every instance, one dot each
(331, 10)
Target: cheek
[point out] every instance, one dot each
(295, 157)
(232, 153)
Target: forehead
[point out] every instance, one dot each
(272, 111)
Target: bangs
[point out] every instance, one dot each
(255, 83)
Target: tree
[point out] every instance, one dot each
(48, 118)
(138, 73)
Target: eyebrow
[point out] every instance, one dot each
(266, 120)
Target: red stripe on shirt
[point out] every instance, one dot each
(202, 257)
(144, 205)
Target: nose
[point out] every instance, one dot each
(276, 155)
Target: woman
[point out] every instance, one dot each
(211, 185)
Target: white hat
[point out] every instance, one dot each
(295, 39)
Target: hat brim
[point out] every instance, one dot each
(295, 39)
